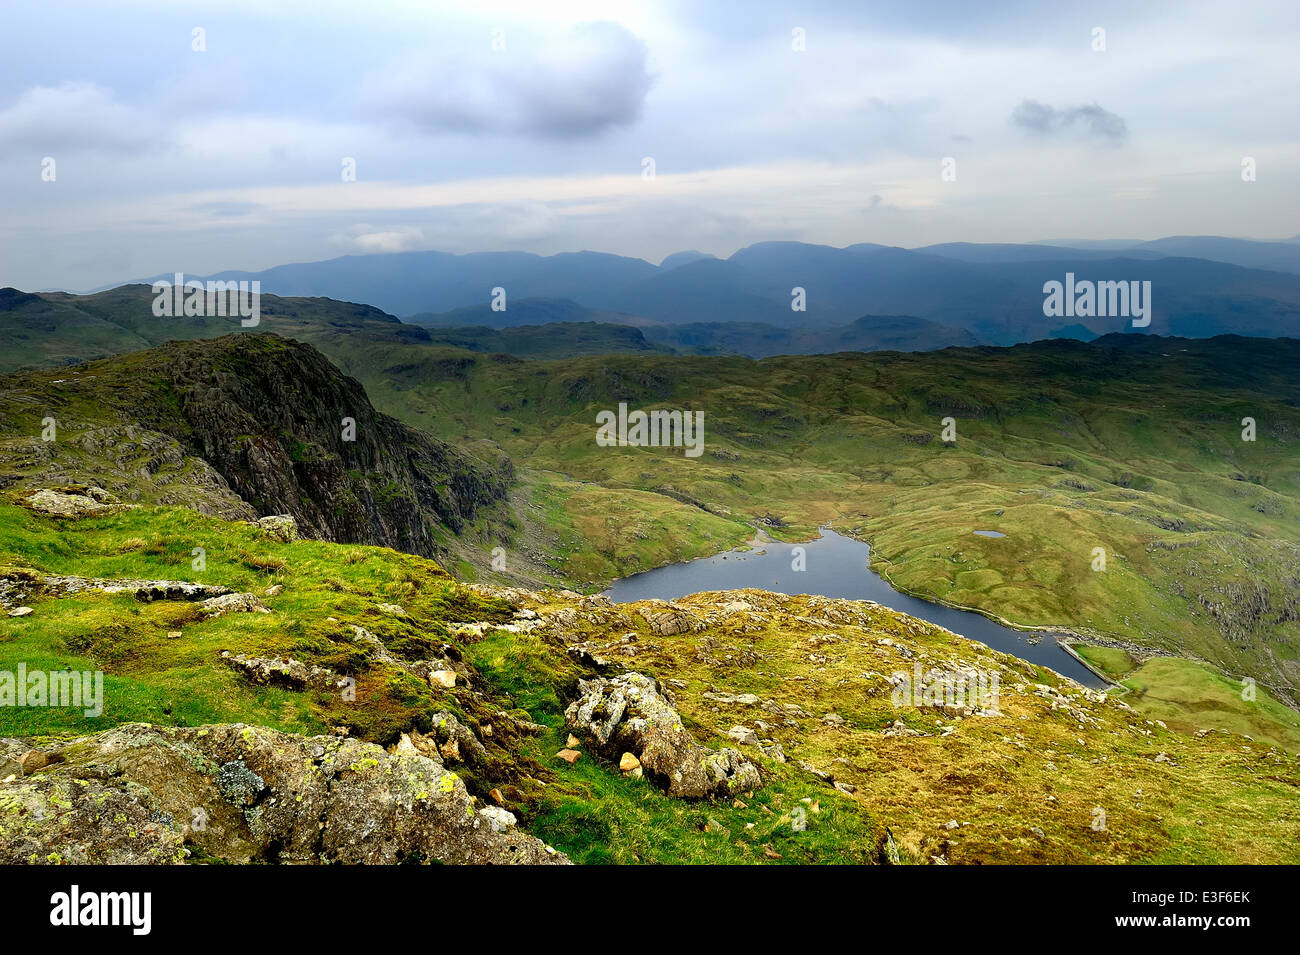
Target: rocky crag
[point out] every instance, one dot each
(242, 426)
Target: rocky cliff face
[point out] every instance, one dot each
(270, 426)
(294, 436)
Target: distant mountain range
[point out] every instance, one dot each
(1201, 286)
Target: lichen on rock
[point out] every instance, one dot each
(628, 714)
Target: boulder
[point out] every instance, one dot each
(628, 714)
(233, 603)
(670, 622)
(281, 527)
(286, 672)
(73, 501)
(743, 735)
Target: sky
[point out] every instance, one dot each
(149, 137)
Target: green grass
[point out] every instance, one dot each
(154, 678)
(1113, 662)
(1190, 696)
(1063, 447)
(1222, 800)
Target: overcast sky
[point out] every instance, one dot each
(170, 158)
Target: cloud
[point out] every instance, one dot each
(576, 86)
(1089, 121)
(368, 239)
(225, 210)
(72, 117)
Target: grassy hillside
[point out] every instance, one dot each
(1129, 444)
(914, 784)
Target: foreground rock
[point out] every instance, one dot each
(628, 715)
(148, 794)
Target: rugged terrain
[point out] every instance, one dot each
(727, 727)
(1129, 444)
(1132, 444)
(243, 426)
(776, 717)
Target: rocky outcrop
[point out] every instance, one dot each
(628, 714)
(669, 619)
(233, 603)
(73, 501)
(294, 436)
(286, 672)
(18, 584)
(132, 463)
(272, 421)
(149, 794)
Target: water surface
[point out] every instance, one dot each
(837, 566)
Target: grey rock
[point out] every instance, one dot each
(628, 714)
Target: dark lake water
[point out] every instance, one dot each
(837, 566)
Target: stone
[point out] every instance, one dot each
(669, 623)
(443, 678)
(628, 762)
(393, 609)
(570, 756)
(743, 735)
(446, 728)
(499, 819)
(32, 760)
(286, 672)
(20, 611)
(73, 501)
(126, 796)
(628, 714)
(233, 603)
(281, 527)
(573, 742)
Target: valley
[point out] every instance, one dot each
(506, 518)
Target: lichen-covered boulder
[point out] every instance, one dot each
(628, 714)
(233, 603)
(285, 671)
(281, 527)
(141, 793)
(668, 620)
(74, 500)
